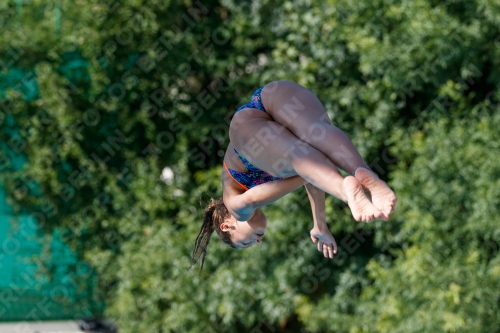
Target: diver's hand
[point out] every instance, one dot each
(325, 240)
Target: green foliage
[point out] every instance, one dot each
(100, 98)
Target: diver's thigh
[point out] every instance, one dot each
(267, 145)
(295, 107)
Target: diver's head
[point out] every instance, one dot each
(238, 235)
(244, 234)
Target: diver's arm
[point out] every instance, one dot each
(320, 233)
(242, 206)
(317, 200)
(269, 192)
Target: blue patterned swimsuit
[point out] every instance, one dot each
(254, 176)
(255, 102)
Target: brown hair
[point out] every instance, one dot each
(215, 213)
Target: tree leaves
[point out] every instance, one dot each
(97, 105)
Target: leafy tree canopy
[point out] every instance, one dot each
(98, 98)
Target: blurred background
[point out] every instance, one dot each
(114, 119)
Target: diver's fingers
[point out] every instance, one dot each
(330, 251)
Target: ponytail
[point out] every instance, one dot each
(215, 213)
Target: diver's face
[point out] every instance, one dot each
(246, 234)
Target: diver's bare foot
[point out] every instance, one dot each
(382, 196)
(361, 208)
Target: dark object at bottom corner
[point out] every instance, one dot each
(97, 325)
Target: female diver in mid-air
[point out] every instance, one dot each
(280, 140)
